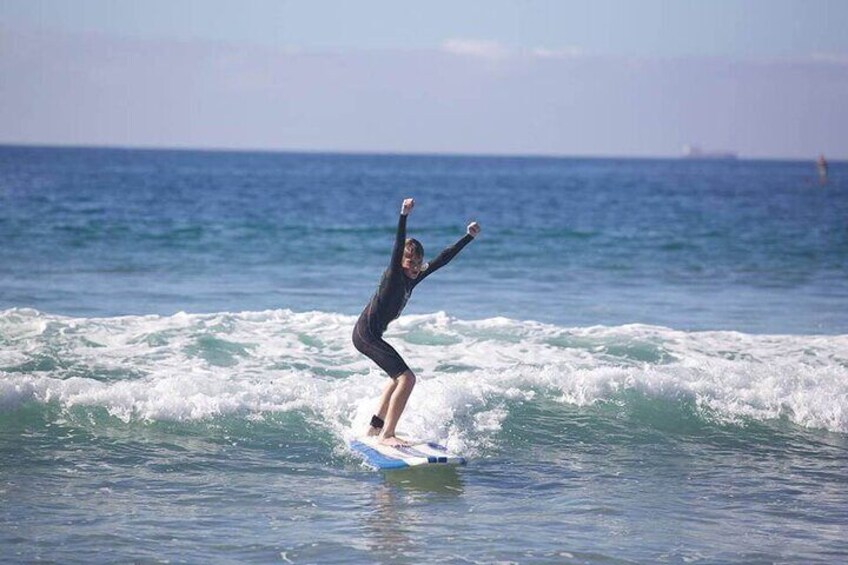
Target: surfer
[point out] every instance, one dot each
(405, 271)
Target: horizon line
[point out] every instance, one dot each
(388, 153)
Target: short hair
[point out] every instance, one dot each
(413, 247)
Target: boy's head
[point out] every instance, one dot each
(413, 258)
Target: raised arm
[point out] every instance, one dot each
(450, 252)
(400, 237)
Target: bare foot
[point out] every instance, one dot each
(372, 431)
(393, 441)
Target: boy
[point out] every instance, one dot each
(406, 269)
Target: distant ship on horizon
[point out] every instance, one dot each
(695, 152)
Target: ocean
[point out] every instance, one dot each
(645, 360)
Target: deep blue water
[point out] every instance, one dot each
(644, 360)
(748, 246)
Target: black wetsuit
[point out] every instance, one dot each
(389, 300)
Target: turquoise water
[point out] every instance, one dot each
(645, 360)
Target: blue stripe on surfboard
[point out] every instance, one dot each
(377, 459)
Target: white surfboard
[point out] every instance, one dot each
(384, 457)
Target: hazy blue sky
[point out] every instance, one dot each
(765, 78)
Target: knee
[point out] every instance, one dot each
(407, 378)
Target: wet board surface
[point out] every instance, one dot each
(384, 457)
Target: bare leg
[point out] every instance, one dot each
(384, 405)
(405, 383)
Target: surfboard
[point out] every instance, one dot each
(384, 457)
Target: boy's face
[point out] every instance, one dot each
(411, 265)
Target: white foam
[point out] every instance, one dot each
(191, 366)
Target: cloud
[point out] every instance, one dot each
(492, 50)
(563, 53)
(836, 58)
(476, 48)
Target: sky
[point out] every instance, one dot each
(766, 79)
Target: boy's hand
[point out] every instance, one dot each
(407, 205)
(473, 229)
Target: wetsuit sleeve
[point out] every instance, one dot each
(397, 251)
(445, 256)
